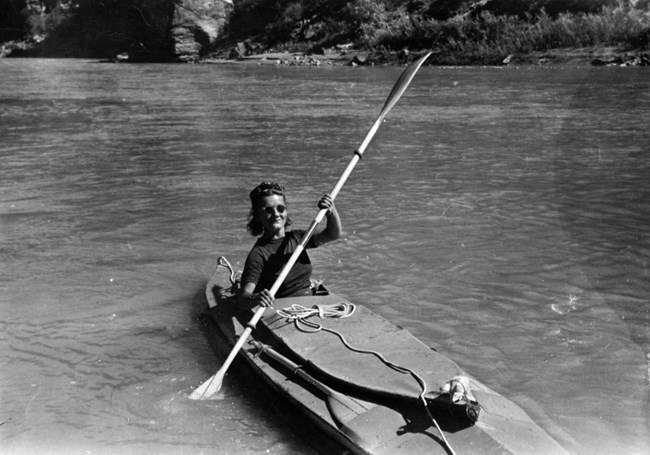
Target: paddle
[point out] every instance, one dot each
(212, 385)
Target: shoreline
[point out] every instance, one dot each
(601, 56)
(346, 55)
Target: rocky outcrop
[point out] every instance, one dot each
(629, 59)
(196, 26)
(133, 31)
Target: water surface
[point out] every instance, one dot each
(500, 215)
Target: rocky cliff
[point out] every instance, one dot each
(134, 30)
(196, 26)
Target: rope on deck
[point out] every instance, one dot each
(299, 314)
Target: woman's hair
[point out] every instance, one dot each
(257, 196)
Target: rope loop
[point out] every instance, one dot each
(223, 262)
(298, 312)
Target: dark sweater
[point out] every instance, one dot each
(266, 259)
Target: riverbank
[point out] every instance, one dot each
(348, 56)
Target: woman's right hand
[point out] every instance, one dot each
(263, 298)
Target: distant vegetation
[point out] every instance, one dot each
(457, 31)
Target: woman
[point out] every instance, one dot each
(269, 218)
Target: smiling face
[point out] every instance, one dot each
(272, 214)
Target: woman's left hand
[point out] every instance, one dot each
(327, 203)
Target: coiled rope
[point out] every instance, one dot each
(299, 314)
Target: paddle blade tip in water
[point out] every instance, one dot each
(209, 389)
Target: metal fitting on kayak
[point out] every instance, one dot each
(460, 397)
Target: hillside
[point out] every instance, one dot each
(459, 32)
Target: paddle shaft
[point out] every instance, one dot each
(214, 384)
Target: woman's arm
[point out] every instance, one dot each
(333, 229)
(249, 299)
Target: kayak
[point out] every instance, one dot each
(364, 385)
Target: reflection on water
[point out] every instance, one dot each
(501, 215)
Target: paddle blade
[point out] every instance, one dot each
(209, 388)
(402, 83)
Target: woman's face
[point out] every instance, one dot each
(273, 215)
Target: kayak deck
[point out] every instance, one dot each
(355, 399)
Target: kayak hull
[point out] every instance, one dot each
(354, 401)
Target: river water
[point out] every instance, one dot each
(502, 215)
